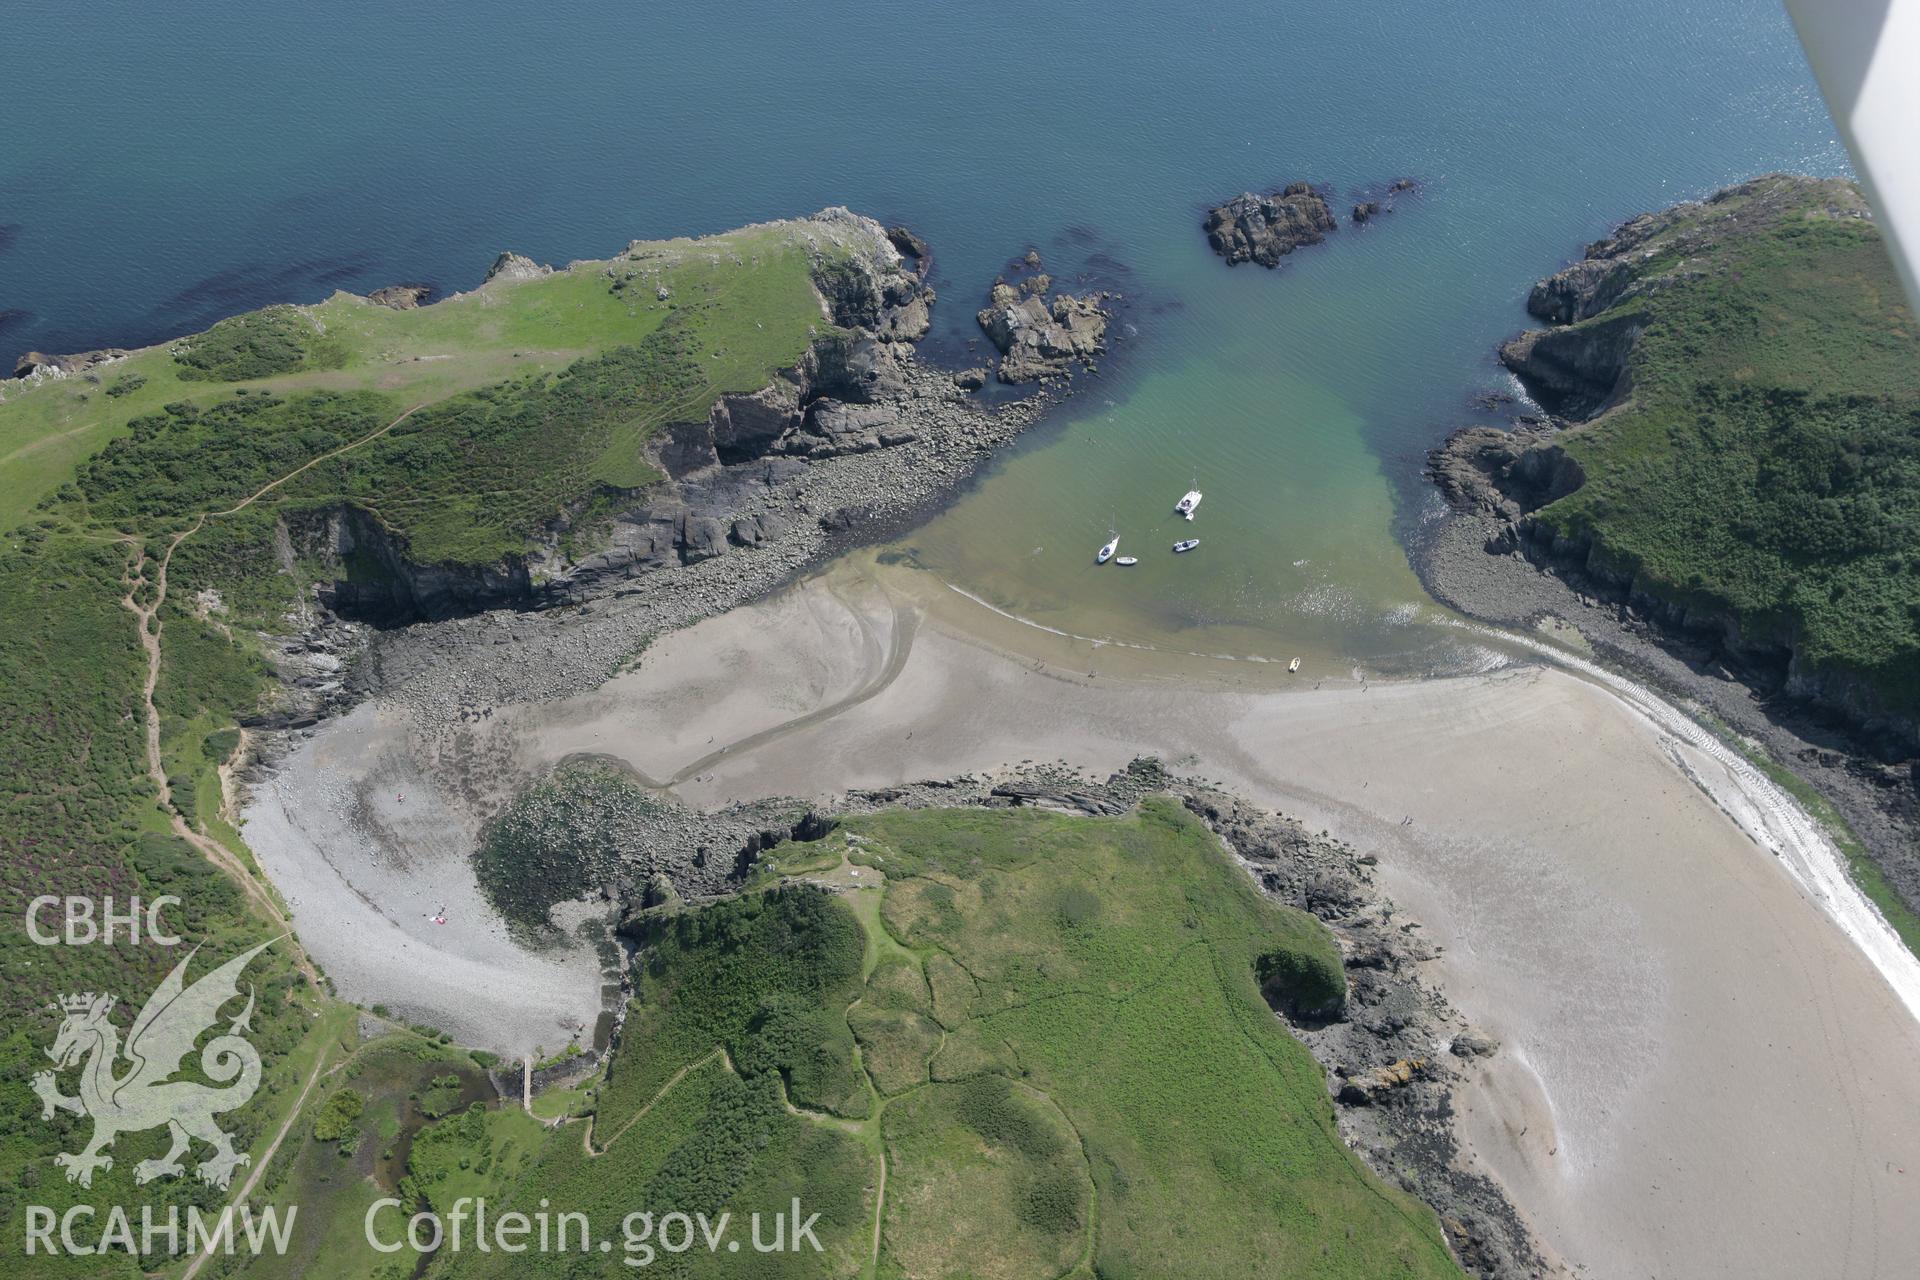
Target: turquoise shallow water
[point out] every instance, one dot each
(171, 167)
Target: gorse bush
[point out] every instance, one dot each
(336, 1118)
(258, 344)
(988, 1105)
(1306, 983)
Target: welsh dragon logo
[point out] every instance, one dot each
(144, 1096)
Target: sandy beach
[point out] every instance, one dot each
(1702, 1073)
(370, 857)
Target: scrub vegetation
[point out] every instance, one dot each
(461, 428)
(1040, 1047)
(400, 1115)
(1766, 466)
(560, 838)
(259, 344)
(740, 304)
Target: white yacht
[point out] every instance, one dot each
(1106, 552)
(1186, 505)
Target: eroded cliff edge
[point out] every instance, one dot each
(853, 440)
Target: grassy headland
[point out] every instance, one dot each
(1758, 462)
(738, 306)
(143, 513)
(1015, 1044)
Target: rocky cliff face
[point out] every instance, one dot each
(1504, 474)
(403, 297)
(1496, 480)
(1579, 369)
(38, 364)
(1502, 477)
(734, 475)
(514, 266)
(881, 288)
(1264, 229)
(1575, 371)
(371, 577)
(841, 398)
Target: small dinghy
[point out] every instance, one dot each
(1188, 545)
(1294, 665)
(1186, 505)
(1128, 560)
(1106, 552)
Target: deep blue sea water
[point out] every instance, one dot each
(171, 164)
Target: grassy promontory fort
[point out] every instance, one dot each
(980, 1043)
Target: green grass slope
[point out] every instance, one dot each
(460, 427)
(739, 306)
(1119, 961)
(1063, 1061)
(1765, 466)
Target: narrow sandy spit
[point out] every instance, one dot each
(1702, 1073)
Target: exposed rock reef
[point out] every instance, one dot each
(1040, 337)
(402, 297)
(1265, 229)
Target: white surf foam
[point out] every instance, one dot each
(1762, 808)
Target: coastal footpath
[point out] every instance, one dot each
(1722, 490)
(201, 541)
(752, 399)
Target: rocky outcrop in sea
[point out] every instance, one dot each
(1040, 337)
(1265, 229)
